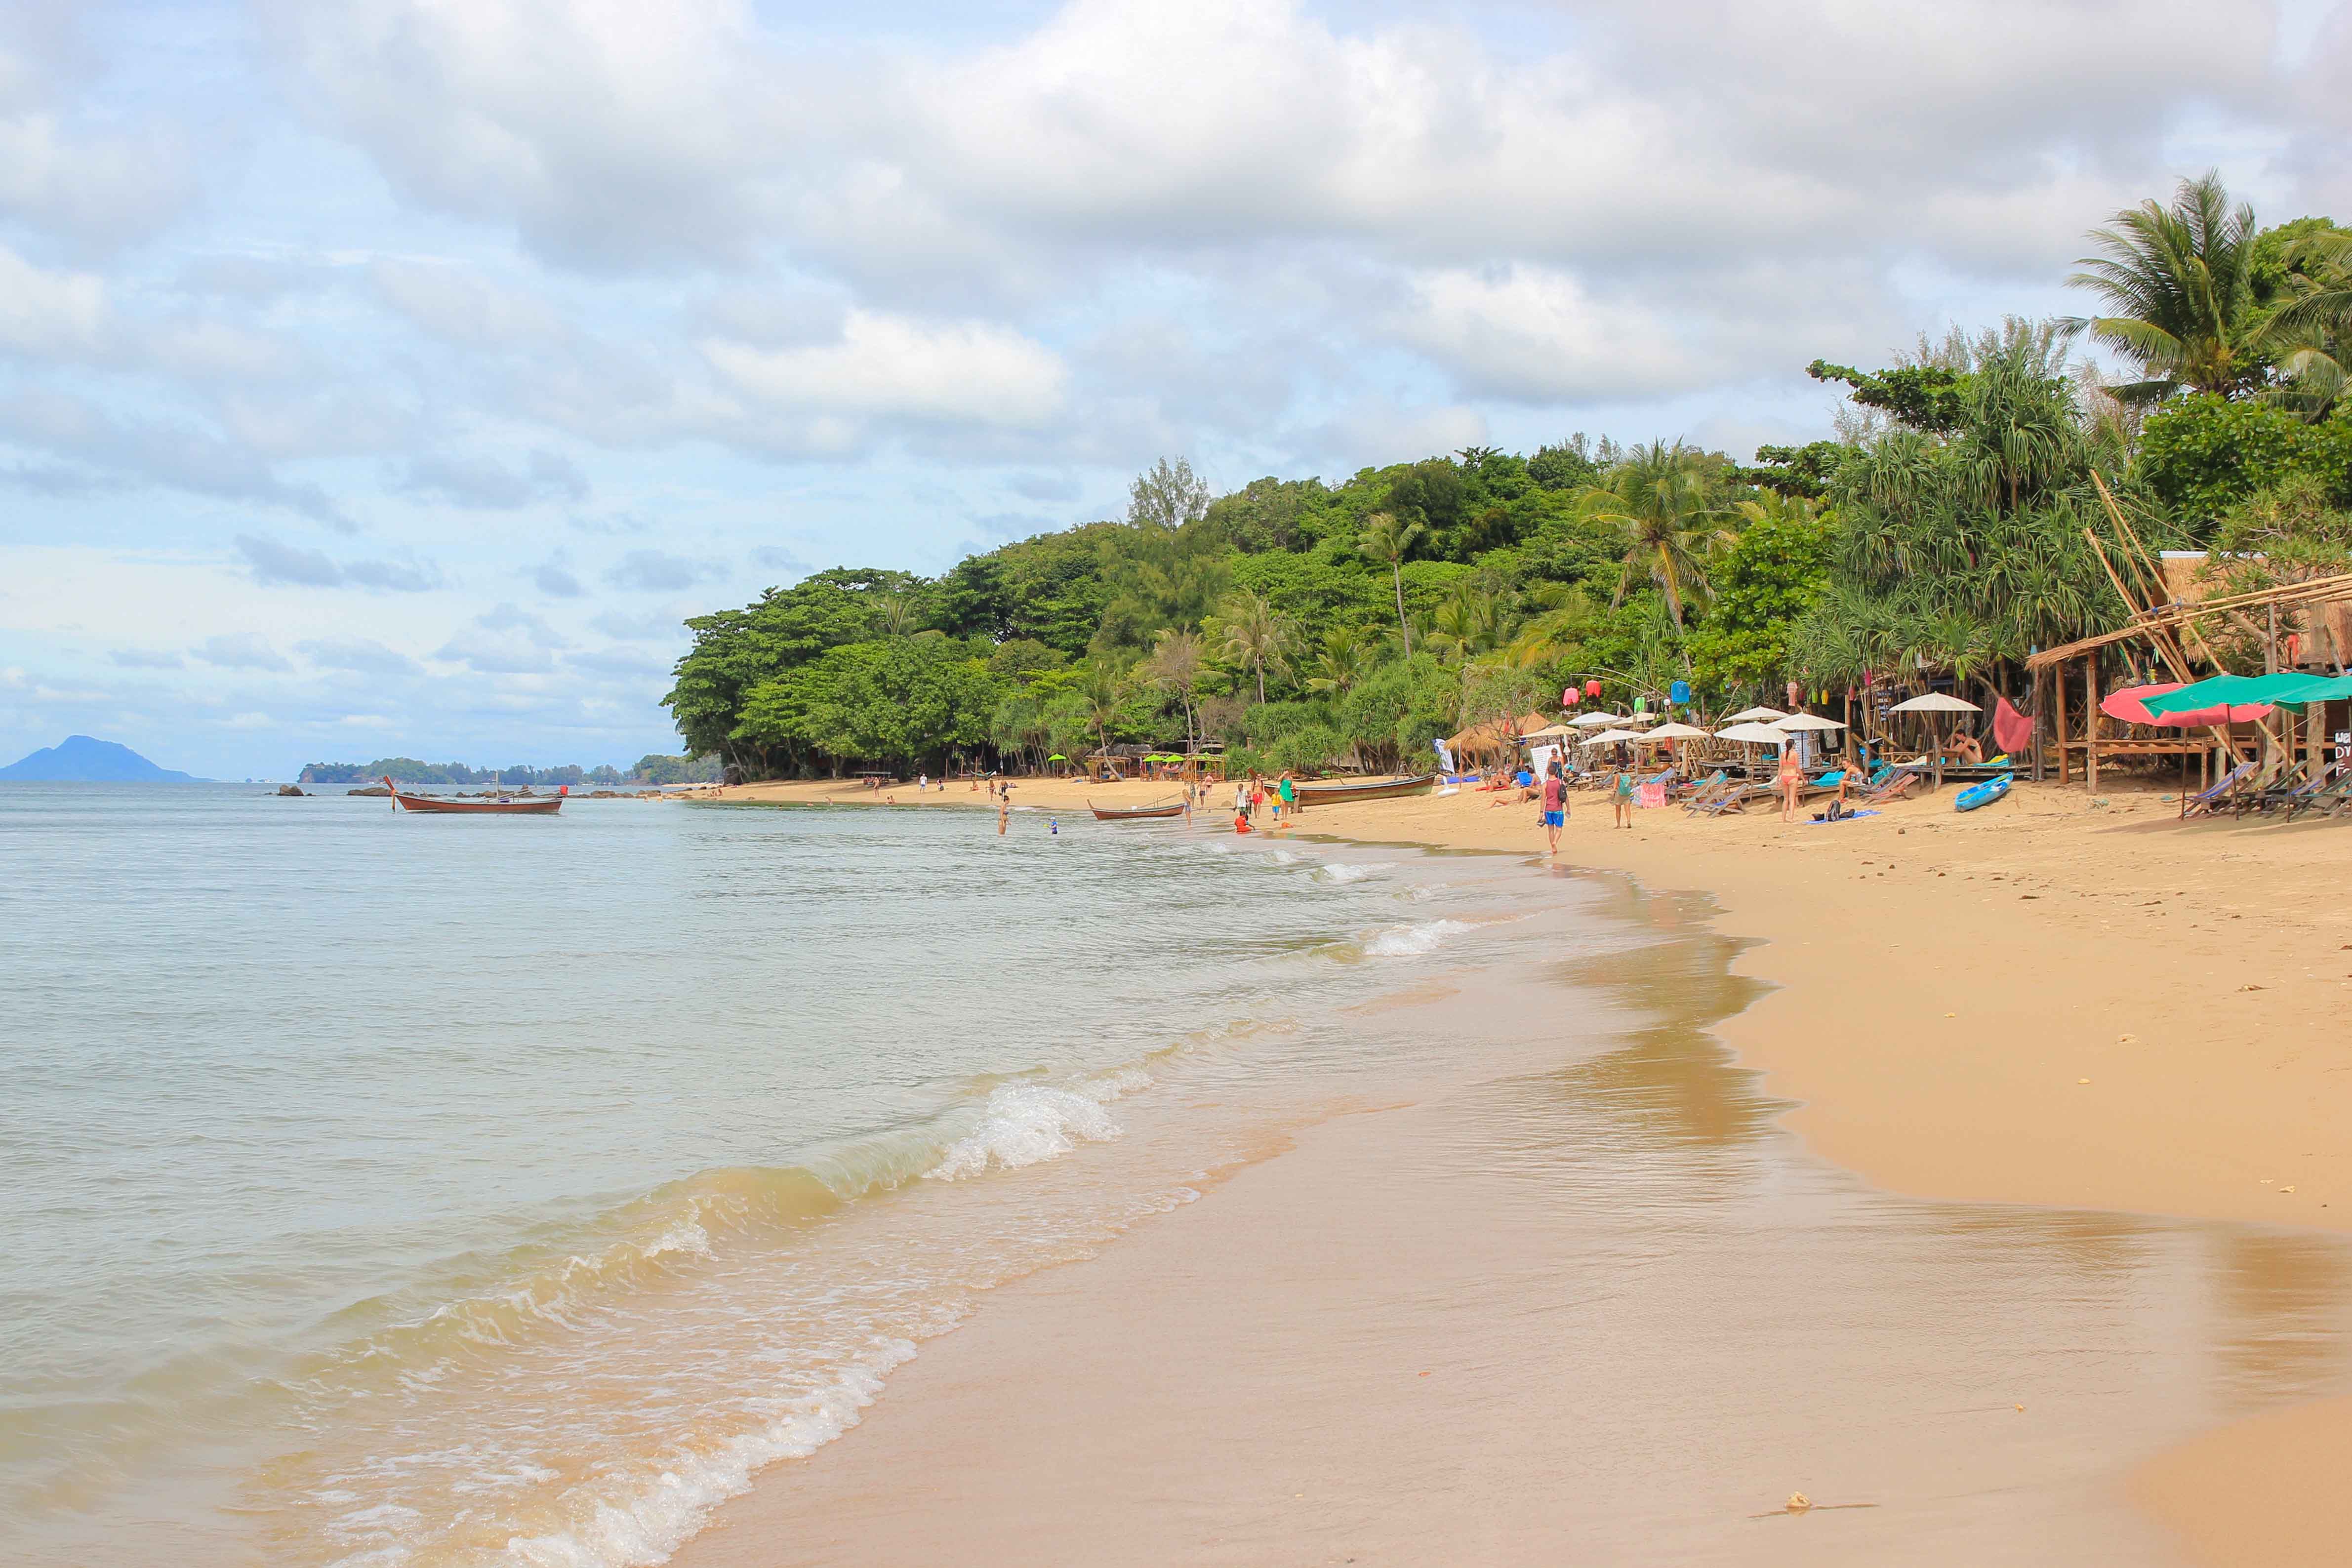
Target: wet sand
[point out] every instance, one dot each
(1946, 985)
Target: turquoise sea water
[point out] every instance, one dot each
(387, 1188)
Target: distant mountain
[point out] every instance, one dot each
(79, 759)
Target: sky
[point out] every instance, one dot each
(393, 376)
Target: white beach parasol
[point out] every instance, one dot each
(1754, 735)
(1797, 721)
(1611, 737)
(1754, 715)
(1597, 720)
(1677, 732)
(1548, 732)
(1935, 702)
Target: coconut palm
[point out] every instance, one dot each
(1257, 633)
(898, 616)
(1386, 539)
(1660, 501)
(1101, 695)
(1346, 653)
(2312, 332)
(2177, 282)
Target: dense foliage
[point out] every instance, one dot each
(1943, 533)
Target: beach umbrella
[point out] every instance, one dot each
(1057, 757)
(1754, 735)
(2130, 705)
(1597, 720)
(1548, 732)
(1611, 738)
(1640, 715)
(2286, 686)
(1754, 715)
(1936, 702)
(1677, 732)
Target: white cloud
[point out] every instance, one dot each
(242, 651)
(1534, 335)
(50, 314)
(891, 365)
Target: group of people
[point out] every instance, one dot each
(1252, 795)
(1549, 794)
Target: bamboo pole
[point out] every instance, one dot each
(2091, 723)
(2064, 773)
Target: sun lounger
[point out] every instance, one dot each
(2215, 798)
(1734, 796)
(2275, 782)
(2317, 791)
(1891, 785)
(2295, 795)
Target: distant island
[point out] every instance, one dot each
(79, 760)
(649, 770)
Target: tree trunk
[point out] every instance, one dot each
(1403, 630)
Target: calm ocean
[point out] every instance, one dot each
(388, 1189)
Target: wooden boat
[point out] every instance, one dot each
(1331, 791)
(1135, 813)
(542, 805)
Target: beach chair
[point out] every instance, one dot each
(2328, 781)
(2274, 783)
(1892, 784)
(1826, 785)
(1712, 782)
(2336, 798)
(1733, 795)
(2211, 799)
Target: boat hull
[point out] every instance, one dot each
(1135, 813)
(426, 804)
(1369, 790)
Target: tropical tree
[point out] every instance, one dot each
(1385, 539)
(1177, 657)
(1259, 634)
(1346, 653)
(1662, 501)
(2312, 332)
(2177, 282)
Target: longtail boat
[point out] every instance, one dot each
(1134, 813)
(539, 807)
(1331, 792)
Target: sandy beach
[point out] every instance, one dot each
(2067, 1002)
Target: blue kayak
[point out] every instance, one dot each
(1983, 794)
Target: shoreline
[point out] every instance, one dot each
(1940, 987)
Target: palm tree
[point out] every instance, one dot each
(1101, 695)
(1257, 633)
(1659, 498)
(1346, 652)
(2312, 332)
(1387, 539)
(899, 616)
(1177, 659)
(2177, 282)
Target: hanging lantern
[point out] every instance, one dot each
(1593, 688)
(1567, 697)
(1641, 704)
(1679, 694)
(1796, 698)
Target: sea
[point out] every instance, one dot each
(384, 1190)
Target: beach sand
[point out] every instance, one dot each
(2063, 1001)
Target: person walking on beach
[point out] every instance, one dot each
(1624, 791)
(1555, 805)
(1286, 797)
(1791, 781)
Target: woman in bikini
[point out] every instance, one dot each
(1793, 780)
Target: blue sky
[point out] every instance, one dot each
(393, 376)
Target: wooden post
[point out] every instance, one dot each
(2065, 763)
(2091, 721)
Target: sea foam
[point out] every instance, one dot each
(1410, 941)
(1025, 1123)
